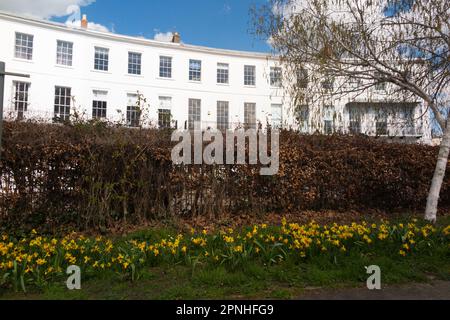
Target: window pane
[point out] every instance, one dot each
(20, 98)
(275, 77)
(64, 53)
(222, 73)
(165, 67)
(194, 114)
(222, 115)
(250, 115)
(101, 61)
(24, 46)
(195, 70)
(249, 75)
(134, 63)
(62, 104)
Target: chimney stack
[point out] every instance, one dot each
(84, 22)
(176, 38)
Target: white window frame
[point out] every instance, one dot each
(195, 72)
(64, 53)
(101, 59)
(223, 73)
(165, 67)
(249, 75)
(23, 47)
(134, 63)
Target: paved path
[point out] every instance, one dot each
(436, 290)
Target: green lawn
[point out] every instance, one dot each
(252, 278)
(284, 281)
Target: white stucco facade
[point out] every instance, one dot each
(118, 88)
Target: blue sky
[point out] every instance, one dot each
(215, 23)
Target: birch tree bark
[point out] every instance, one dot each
(438, 178)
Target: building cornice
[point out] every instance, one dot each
(133, 40)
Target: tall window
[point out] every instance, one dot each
(302, 117)
(223, 116)
(101, 59)
(223, 73)
(62, 104)
(24, 46)
(194, 115)
(275, 77)
(355, 120)
(21, 98)
(407, 115)
(381, 122)
(64, 53)
(302, 78)
(277, 116)
(133, 111)
(249, 75)
(250, 115)
(134, 63)
(164, 112)
(133, 116)
(99, 104)
(165, 67)
(195, 70)
(328, 127)
(380, 85)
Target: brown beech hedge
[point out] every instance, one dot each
(93, 176)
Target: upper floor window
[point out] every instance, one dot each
(165, 67)
(101, 59)
(64, 53)
(134, 63)
(275, 76)
(195, 70)
(21, 98)
(249, 75)
(328, 82)
(24, 46)
(62, 104)
(223, 73)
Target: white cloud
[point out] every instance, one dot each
(44, 9)
(47, 9)
(163, 36)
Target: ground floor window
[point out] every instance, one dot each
(223, 116)
(355, 120)
(21, 90)
(99, 105)
(250, 115)
(277, 116)
(62, 104)
(133, 116)
(194, 114)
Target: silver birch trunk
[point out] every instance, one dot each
(438, 178)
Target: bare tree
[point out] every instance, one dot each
(401, 43)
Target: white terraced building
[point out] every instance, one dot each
(107, 76)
